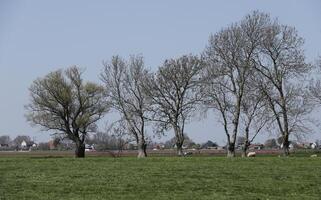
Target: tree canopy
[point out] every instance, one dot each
(64, 103)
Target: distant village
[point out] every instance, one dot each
(110, 142)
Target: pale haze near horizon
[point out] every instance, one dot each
(37, 37)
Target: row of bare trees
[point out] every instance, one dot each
(253, 74)
(167, 98)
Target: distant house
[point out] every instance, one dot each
(256, 146)
(131, 146)
(25, 145)
(209, 145)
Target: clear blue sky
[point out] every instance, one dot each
(37, 37)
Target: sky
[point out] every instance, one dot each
(37, 37)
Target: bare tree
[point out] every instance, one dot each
(124, 85)
(174, 95)
(254, 116)
(113, 137)
(122, 137)
(63, 102)
(229, 57)
(281, 63)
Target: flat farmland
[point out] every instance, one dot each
(61, 177)
(133, 153)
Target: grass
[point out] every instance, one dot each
(160, 178)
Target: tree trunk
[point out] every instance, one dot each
(246, 142)
(179, 147)
(231, 150)
(179, 141)
(142, 149)
(244, 152)
(245, 148)
(286, 151)
(285, 134)
(141, 140)
(80, 150)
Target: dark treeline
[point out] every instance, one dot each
(252, 74)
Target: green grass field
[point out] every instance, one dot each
(160, 178)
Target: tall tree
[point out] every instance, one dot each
(124, 85)
(174, 95)
(281, 63)
(63, 102)
(229, 58)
